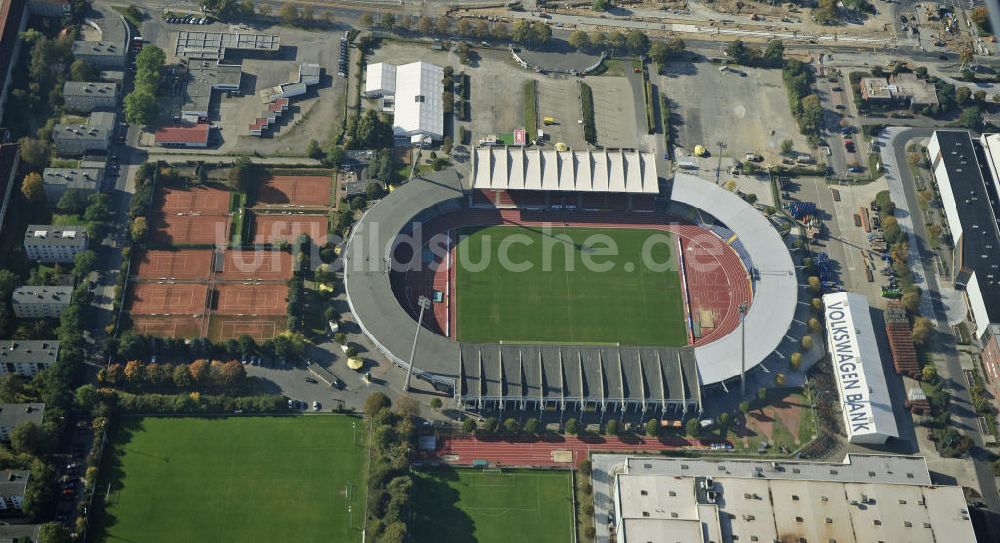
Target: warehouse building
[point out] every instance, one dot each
(52, 243)
(102, 55)
(857, 367)
(79, 139)
(414, 94)
(86, 96)
(40, 302)
(194, 135)
(219, 45)
(56, 181)
(204, 78)
(27, 357)
(864, 499)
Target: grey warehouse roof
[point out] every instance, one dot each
(215, 44)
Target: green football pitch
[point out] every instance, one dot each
(564, 297)
(470, 505)
(234, 479)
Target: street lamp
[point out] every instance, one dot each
(424, 303)
(743, 350)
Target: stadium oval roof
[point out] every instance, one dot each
(516, 168)
(774, 289)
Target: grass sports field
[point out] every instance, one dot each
(234, 479)
(569, 302)
(469, 505)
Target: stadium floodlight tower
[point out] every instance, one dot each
(424, 303)
(743, 350)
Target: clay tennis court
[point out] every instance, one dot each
(191, 229)
(183, 327)
(226, 327)
(256, 265)
(275, 228)
(296, 190)
(207, 201)
(183, 264)
(251, 299)
(164, 299)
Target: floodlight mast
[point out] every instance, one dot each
(424, 303)
(743, 350)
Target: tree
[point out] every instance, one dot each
(806, 342)
(53, 532)
(723, 420)
(289, 13)
(826, 12)
(72, 202)
(979, 96)
(579, 39)
(911, 300)
(141, 106)
(652, 428)
(83, 263)
(738, 52)
(442, 24)
(376, 402)
(744, 407)
(692, 427)
(425, 24)
(511, 426)
(407, 406)
(981, 17)
(616, 40)
(572, 427)
(611, 427)
(813, 324)
(601, 5)
(928, 372)
(366, 20)
(32, 188)
(970, 117)
(531, 426)
(814, 283)
(469, 425)
(963, 95)
(491, 424)
(199, 371)
(787, 146)
(463, 27)
(638, 42)
(34, 151)
(779, 379)
(388, 20)
(436, 403)
(264, 9)
(659, 52)
(308, 14)
(139, 229)
(922, 328)
(774, 53)
(795, 361)
(81, 70)
(762, 394)
(28, 438)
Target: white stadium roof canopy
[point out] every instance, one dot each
(516, 168)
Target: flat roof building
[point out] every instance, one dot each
(54, 243)
(10, 158)
(40, 302)
(102, 55)
(857, 367)
(13, 484)
(12, 414)
(27, 357)
(78, 139)
(380, 80)
(677, 500)
(86, 96)
(56, 181)
(204, 78)
(917, 91)
(216, 45)
(195, 135)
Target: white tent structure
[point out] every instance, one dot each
(380, 80)
(414, 92)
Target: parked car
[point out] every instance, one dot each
(311, 380)
(316, 406)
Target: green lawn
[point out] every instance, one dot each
(234, 479)
(468, 505)
(568, 301)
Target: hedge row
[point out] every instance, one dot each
(589, 129)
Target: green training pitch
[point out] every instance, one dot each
(470, 505)
(567, 301)
(234, 479)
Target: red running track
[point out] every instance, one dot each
(462, 450)
(716, 280)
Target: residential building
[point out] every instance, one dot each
(57, 181)
(12, 414)
(78, 139)
(863, 499)
(113, 76)
(49, 8)
(27, 357)
(102, 55)
(40, 302)
(10, 158)
(414, 94)
(857, 367)
(13, 483)
(194, 135)
(86, 96)
(52, 243)
(13, 20)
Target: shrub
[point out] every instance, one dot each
(589, 128)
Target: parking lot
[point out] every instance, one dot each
(745, 109)
(615, 115)
(559, 97)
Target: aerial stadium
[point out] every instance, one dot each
(571, 280)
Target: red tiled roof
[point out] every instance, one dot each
(197, 133)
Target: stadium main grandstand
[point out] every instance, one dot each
(571, 280)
